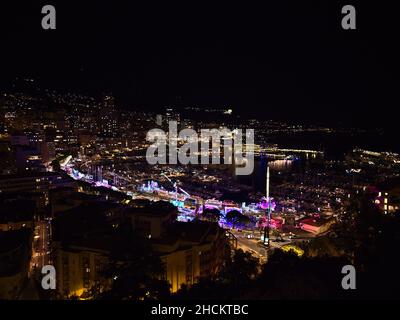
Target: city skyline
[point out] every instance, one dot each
(153, 153)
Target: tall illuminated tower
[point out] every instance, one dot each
(266, 228)
(267, 184)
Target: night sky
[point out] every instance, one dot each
(290, 60)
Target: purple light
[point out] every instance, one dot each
(228, 209)
(264, 204)
(210, 206)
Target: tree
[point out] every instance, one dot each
(136, 272)
(237, 276)
(212, 214)
(241, 269)
(287, 276)
(235, 218)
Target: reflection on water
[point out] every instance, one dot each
(281, 165)
(257, 178)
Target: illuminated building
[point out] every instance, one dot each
(388, 200)
(315, 225)
(188, 250)
(32, 185)
(32, 181)
(81, 248)
(79, 266)
(47, 151)
(108, 118)
(191, 250)
(171, 115)
(28, 159)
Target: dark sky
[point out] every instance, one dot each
(284, 59)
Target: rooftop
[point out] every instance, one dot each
(17, 210)
(82, 221)
(150, 208)
(28, 175)
(189, 233)
(315, 222)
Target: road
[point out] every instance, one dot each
(41, 249)
(251, 242)
(40, 258)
